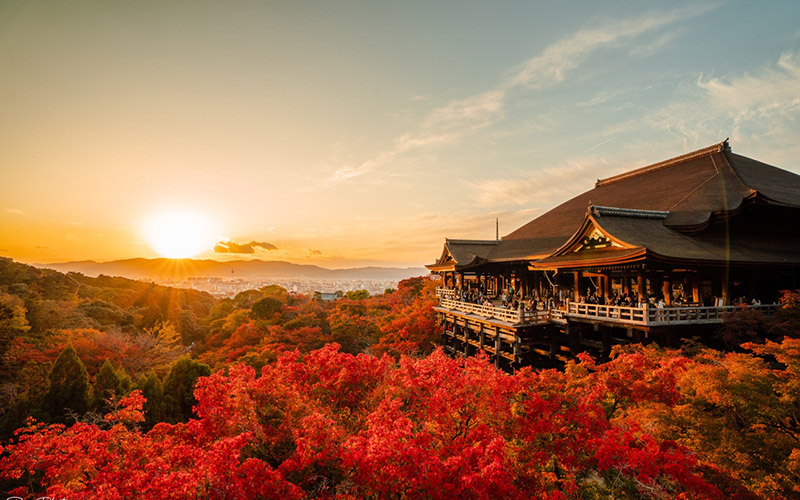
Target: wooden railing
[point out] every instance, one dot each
(673, 315)
(643, 316)
(616, 314)
(513, 316)
(653, 316)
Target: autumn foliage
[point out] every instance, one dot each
(274, 395)
(335, 424)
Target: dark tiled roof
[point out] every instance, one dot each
(689, 189)
(464, 253)
(748, 241)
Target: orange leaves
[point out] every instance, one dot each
(128, 409)
(329, 424)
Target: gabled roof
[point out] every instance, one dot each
(688, 193)
(691, 188)
(748, 241)
(459, 254)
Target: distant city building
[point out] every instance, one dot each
(327, 296)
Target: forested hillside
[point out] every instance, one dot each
(126, 334)
(138, 390)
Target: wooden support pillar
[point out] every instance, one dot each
(607, 286)
(577, 294)
(497, 349)
(482, 337)
(517, 350)
(640, 284)
(460, 281)
(696, 290)
(626, 283)
(725, 285)
(553, 346)
(667, 290)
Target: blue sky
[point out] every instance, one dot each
(352, 133)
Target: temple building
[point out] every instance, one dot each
(658, 253)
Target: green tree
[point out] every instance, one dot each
(69, 387)
(266, 308)
(179, 388)
(109, 383)
(357, 295)
(12, 322)
(275, 291)
(155, 407)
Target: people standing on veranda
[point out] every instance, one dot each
(660, 307)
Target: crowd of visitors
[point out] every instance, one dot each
(514, 300)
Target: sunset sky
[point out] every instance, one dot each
(362, 133)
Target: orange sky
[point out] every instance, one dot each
(348, 134)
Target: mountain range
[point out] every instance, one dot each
(245, 269)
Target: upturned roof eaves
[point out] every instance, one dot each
(773, 184)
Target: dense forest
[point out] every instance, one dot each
(113, 388)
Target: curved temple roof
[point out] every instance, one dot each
(688, 194)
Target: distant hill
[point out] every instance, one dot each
(254, 269)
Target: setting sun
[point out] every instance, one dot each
(179, 235)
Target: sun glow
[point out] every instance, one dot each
(179, 235)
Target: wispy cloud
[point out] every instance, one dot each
(15, 211)
(759, 111)
(774, 92)
(459, 118)
(657, 44)
(600, 98)
(555, 62)
(544, 187)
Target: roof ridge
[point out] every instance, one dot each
(628, 212)
(471, 242)
(716, 148)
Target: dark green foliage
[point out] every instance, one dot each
(12, 323)
(69, 387)
(106, 314)
(245, 299)
(179, 388)
(23, 399)
(266, 308)
(155, 407)
(109, 384)
(357, 295)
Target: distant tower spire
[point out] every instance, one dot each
(497, 229)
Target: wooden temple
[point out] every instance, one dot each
(659, 253)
